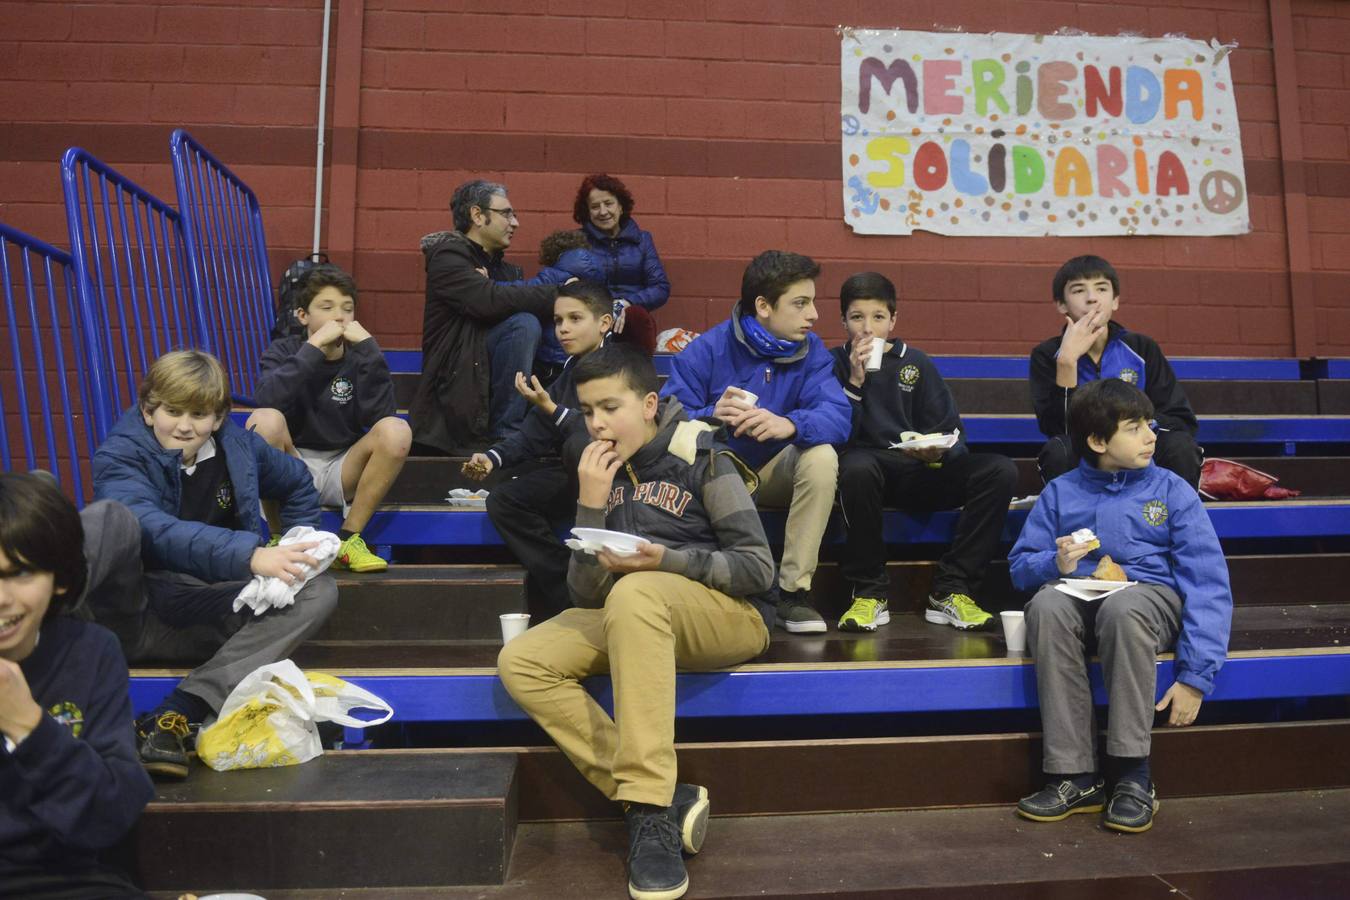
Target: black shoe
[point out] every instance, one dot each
(1131, 808)
(1061, 799)
(655, 866)
(797, 615)
(691, 808)
(162, 748)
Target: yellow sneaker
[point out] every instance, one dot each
(865, 614)
(956, 610)
(355, 556)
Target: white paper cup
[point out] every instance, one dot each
(514, 625)
(874, 357)
(1015, 630)
(749, 399)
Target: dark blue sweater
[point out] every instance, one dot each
(75, 785)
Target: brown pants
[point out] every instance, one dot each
(652, 623)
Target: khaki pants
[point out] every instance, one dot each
(652, 623)
(802, 481)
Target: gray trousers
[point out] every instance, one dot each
(1128, 630)
(170, 617)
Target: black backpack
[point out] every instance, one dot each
(292, 280)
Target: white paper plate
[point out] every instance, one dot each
(945, 441)
(617, 542)
(1096, 584)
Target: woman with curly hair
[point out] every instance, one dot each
(633, 270)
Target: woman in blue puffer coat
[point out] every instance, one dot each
(633, 270)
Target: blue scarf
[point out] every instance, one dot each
(765, 344)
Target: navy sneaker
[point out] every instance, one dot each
(1061, 799)
(162, 738)
(691, 808)
(1131, 808)
(655, 866)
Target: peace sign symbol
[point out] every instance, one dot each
(1221, 192)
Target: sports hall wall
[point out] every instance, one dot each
(722, 117)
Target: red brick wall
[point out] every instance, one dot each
(721, 115)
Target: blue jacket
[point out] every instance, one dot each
(1153, 524)
(801, 387)
(633, 270)
(133, 469)
(579, 262)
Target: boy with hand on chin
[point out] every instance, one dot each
(528, 510)
(1092, 346)
(1150, 522)
(70, 782)
(328, 399)
(767, 349)
(679, 601)
(908, 394)
(183, 541)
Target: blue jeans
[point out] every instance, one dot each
(511, 345)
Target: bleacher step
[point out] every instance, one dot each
(427, 479)
(405, 819)
(448, 603)
(1281, 845)
(930, 771)
(410, 602)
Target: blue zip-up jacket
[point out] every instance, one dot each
(133, 469)
(633, 270)
(1130, 356)
(1153, 524)
(800, 387)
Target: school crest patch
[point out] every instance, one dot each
(909, 377)
(69, 715)
(1129, 376)
(342, 389)
(1155, 512)
(225, 494)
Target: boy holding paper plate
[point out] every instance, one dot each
(1152, 523)
(677, 598)
(907, 451)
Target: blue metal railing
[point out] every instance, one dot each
(223, 233)
(132, 275)
(46, 348)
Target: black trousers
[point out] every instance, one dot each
(1175, 450)
(870, 480)
(527, 512)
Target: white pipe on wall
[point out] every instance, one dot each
(323, 104)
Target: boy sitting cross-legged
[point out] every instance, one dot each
(787, 428)
(70, 782)
(677, 602)
(1152, 523)
(183, 541)
(328, 399)
(908, 394)
(528, 509)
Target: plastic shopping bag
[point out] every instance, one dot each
(271, 717)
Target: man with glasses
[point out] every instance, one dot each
(477, 332)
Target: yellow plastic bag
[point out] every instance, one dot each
(271, 717)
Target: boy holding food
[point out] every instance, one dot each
(1173, 582)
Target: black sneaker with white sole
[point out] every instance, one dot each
(797, 615)
(655, 864)
(691, 808)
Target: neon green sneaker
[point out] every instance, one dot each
(274, 540)
(956, 610)
(865, 614)
(355, 556)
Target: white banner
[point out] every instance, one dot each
(1014, 134)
